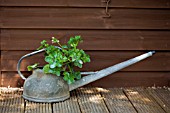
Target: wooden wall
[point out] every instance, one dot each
(135, 27)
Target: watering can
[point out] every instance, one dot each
(41, 87)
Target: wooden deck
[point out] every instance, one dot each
(92, 100)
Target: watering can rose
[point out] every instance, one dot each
(61, 59)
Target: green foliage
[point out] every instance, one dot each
(31, 67)
(62, 61)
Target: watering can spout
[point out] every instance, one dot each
(93, 76)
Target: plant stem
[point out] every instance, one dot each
(59, 44)
(70, 68)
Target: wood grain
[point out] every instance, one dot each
(22, 39)
(142, 101)
(84, 18)
(11, 101)
(96, 100)
(119, 79)
(90, 101)
(115, 97)
(0, 79)
(161, 95)
(68, 106)
(37, 107)
(89, 3)
(135, 27)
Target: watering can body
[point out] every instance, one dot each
(41, 87)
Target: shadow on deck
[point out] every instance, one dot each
(92, 100)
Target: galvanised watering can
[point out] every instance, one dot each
(41, 87)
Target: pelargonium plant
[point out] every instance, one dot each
(61, 59)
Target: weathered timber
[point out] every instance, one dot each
(38, 107)
(84, 18)
(96, 100)
(68, 106)
(11, 101)
(142, 101)
(89, 3)
(22, 39)
(162, 96)
(115, 97)
(90, 101)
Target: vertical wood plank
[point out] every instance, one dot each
(68, 106)
(33, 107)
(91, 101)
(116, 100)
(12, 101)
(142, 101)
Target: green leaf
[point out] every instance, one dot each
(58, 64)
(49, 59)
(41, 47)
(43, 42)
(64, 46)
(31, 67)
(70, 81)
(64, 59)
(78, 64)
(66, 76)
(53, 65)
(46, 68)
(77, 75)
(86, 58)
(57, 72)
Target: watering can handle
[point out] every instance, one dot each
(20, 60)
(27, 55)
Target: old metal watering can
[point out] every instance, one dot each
(40, 87)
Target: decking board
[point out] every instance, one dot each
(115, 97)
(162, 96)
(92, 100)
(142, 101)
(68, 106)
(11, 101)
(32, 107)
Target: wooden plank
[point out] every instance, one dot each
(161, 95)
(84, 18)
(116, 100)
(89, 3)
(68, 106)
(22, 39)
(0, 78)
(91, 101)
(99, 60)
(119, 79)
(11, 102)
(32, 107)
(142, 101)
